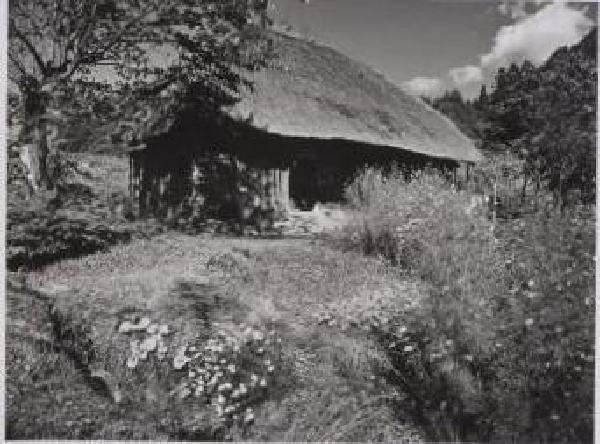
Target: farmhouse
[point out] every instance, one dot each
(313, 118)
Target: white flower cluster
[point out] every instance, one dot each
(152, 342)
(230, 371)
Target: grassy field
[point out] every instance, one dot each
(324, 385)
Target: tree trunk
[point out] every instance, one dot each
(36, 150)
(41, 140)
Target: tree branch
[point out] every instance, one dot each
(29, 46)
(77, 42)
(100, 53)
(17, 64)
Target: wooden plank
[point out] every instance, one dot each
(267, 189)
(274, 188)
(285, 189)
(279, 190)
(263, 189)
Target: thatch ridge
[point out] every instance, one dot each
(314, 91)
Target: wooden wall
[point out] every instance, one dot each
(275, 189)
(253, 171)
(219, 186)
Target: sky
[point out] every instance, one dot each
(430, 46)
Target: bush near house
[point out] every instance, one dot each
(502, 347)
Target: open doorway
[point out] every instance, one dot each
(303, 184)
(313, 181)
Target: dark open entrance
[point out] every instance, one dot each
(304, 191)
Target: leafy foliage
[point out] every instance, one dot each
(547, 115)
(80, 65)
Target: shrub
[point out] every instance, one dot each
(501, 347)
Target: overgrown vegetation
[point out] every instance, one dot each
(502, 346)
(506, 337)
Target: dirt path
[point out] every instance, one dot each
(319, 302)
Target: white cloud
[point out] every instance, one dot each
(427, 86)
(532, 37)
(536, 36)
(466, 74)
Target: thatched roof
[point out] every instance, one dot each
(315, 92)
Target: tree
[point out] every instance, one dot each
(107, 59)
(463, 112)
(546, 115)
(483, 99)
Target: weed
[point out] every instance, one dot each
(502, 346)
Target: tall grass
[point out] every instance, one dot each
(502, 346)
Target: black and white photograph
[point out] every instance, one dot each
(299, 220)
